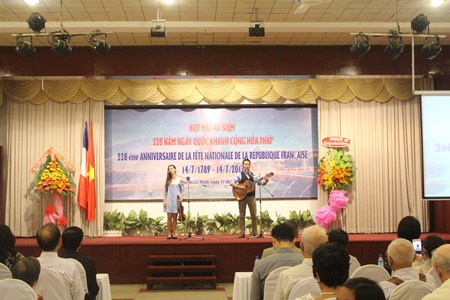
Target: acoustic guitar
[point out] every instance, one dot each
(240, 194)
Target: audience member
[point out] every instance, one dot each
(331, 263)
(283, 236)
(269, 251)
(71, 241)
(312, 237)
(360, 288)
(28, 270)
(49, 240)
(409, 228)
(429, 244)
(400, 256)
(8, 255)
(340, 237)
(441, 264)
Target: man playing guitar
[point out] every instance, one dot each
(249, 199)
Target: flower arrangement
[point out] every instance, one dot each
(335, 170)
(335, 173)
(54, 178)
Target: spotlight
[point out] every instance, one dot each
(360, 45)
(36, 22)
(25, 48)
(431, 49)
(258, 30)
(420, 23)
(60, 43)
(99, 45)
(395, 46)
(158, 31)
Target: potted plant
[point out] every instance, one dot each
(266, 221)
(132, 224)
(303, 219)
(279, 219)
(157, 225)
(113, 223)
(199, 224)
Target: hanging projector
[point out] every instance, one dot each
(158, 31)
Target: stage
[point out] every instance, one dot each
(125, 259)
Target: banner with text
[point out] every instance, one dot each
(208, 146)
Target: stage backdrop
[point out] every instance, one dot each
(208, 146)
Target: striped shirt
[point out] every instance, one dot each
(404, 274)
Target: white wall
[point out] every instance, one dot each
(155, 209)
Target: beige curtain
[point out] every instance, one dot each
(31, 130)
(385, 145)
(209, 90)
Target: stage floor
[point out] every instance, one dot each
(126, 258)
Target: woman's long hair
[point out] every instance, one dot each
(7, 242)
(169, 178)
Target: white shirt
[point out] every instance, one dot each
(290, 277)
(68, 271)
(441, 293)
(404, 274)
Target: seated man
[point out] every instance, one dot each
(71, 240)
(441, 264)
(283, 236)
(28, 270)
(400, 256)
(340, 237)
(49, 240)
(312, 237)
(271, 250)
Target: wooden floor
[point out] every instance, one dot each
(125, 259)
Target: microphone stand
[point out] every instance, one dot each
(188, 226)
(261, 230)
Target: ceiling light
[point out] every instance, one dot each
(36, 22)
(31, 2)
(360, 45)
(59, 40)
(256, 31)
(431, 49)
(98, 43)
(61, 43)
(395, 46)
(25, 48)
(437, 2)
(420, 23)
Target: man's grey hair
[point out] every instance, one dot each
(312, 237)
(401, 251)
(441, 258)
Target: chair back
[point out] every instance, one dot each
(82, 272)
(305, 286)
(374, 272)
(51, 285)
(5, 273)
(271, 282)
(435, 275)
(411, 290)
(16, 289)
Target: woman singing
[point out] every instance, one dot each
(173, 194)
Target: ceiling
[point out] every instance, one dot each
(223, 22)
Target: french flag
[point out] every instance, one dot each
(83, 184)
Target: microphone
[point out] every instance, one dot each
(188, 178)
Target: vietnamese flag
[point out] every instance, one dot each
(83, 184)
(91, 196)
